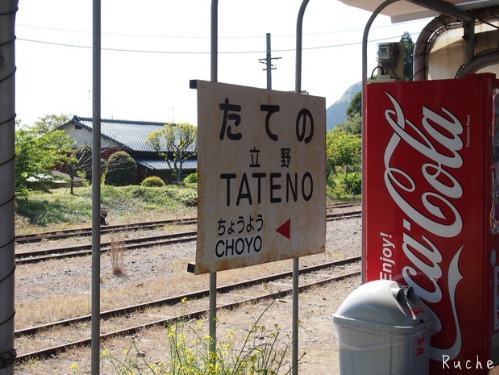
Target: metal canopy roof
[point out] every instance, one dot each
(409, 10)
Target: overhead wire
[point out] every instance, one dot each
(274, 35)
(283, 50)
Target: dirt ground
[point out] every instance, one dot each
(317, 341)
(38, 285)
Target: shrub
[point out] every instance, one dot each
(191, 179)
(190, 199)
(121, 170)
(153, 181)
(351, 182)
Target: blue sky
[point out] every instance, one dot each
(152, 48)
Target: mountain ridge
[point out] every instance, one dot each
(336, 113)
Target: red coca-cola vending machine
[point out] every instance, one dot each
(431, 208)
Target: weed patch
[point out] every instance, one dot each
(43, 212)
(189, 351)
(117, 264)
(122, 204)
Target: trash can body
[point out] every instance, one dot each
(383, 328)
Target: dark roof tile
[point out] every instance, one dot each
(161, 164)
(131, 135)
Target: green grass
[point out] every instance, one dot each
(57, 208)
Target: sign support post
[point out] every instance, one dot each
(96, 178)
(213, 274)
(296, 261)
(261, 178)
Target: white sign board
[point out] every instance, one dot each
(261, 176)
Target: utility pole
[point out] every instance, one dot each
(268, 62)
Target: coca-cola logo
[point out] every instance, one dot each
(429, 203)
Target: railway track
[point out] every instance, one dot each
(87, 231)
(81, 250)
(141, 308)
(28, 257)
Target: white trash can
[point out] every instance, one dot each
(383, 328)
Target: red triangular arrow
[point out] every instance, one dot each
(285, 229)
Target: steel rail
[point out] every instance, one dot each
(81, 232)
(87, 231)
(30, 331)
(54, 350)
(80, 250)
(35, 256)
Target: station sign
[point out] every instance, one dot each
(261, 176)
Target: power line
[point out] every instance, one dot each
(128, 35)
(204, 52)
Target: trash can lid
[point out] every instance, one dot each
(386, 302)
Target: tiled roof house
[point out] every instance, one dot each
(129, 136)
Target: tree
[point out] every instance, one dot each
(352, 125)
(121, 169)
(79, 163)
(355, 106)
(330, 165)
(408, 55)
(37, 154)
(178, 140)
(50, 122)
(343, 153)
